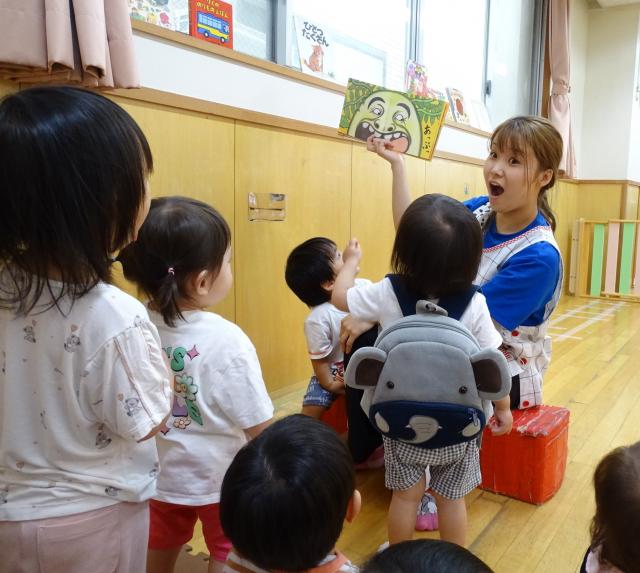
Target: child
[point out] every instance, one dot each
(436, 253)
(310, 273)
(425, 556)
(614, 529)
(521, 269)
(285, 498)
(83, 378)
(182, 262)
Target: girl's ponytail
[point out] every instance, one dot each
(545, 209)
(167, 296)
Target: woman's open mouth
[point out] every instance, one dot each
(495, 190)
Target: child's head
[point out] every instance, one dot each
(74, 169)
(615, 526)
(182, 257)
(438, 246)
(311, 270)
(425, 556)
(523, 161)
(287, 493)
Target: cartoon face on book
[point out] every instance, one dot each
(410, 124)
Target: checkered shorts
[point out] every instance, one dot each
(317, 396)
(455, 470)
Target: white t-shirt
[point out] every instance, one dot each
(76, 393)
(322, 330)
(219, 392)
(377, 302)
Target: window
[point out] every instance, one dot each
(253, 28)
(451, 45)
(365, 39)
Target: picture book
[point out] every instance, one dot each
(170, 14)
(212, 20)
(409, 123)
(479, 116)
(434, 93)
(458, 107)
(315, 47)
(416, 79)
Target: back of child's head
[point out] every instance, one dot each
(425, 556)
(285, 496)
(180, 238)
(73, 168)
(524, 133)
(309, 266)
(615, 526)
(438, 246)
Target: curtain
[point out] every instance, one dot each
(88, 42)
(559, 106)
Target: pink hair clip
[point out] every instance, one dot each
(171, 271)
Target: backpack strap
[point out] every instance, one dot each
(454, 304)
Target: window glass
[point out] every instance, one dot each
(363, 39)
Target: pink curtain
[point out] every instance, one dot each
(559, 106)
(89, 42)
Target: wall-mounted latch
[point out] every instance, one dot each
(267, 206)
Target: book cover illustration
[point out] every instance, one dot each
(416, 79)
(170, 14)
(315, 47)
(411, 124)
(212, 20)
(458, 107)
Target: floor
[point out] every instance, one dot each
(595, 373)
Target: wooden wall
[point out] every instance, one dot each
(333, 187)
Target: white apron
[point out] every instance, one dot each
(527, 348)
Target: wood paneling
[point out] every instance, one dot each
(193, 155)
(315, 175)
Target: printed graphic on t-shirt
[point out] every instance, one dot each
(185, 390)
(337, 371)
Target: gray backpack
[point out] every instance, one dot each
(428, 376)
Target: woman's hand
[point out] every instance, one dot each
(350, 329)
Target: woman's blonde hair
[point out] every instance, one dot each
(538, 134)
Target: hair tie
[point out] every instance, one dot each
(171, 271)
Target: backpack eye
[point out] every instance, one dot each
(463, 389)
(390, 385)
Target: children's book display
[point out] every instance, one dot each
(416, 79)
(411, 124)
(170, 14)
(315, 47)
(458, 107)
(212, 20)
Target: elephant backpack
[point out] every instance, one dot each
(426, 376)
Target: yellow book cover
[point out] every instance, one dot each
(410, 123)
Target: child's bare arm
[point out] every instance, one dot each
(255, 431)
(347, 275)
(503, 418)
(322, 370)
(400, 197)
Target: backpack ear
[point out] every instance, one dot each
(491, 371)
(365, 367)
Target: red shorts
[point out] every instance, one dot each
(172, 526)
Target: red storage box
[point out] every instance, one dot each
(336, 416)
(529, 463)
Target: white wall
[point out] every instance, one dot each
(188, 71)
(579, 27)
(608, 94)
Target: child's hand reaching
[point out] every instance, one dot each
(352, 251)
(384, 149)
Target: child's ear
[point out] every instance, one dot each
(201, 283)
(353, 509)
(328, 285)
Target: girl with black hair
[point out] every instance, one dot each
(182, 263)
(83, 381)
